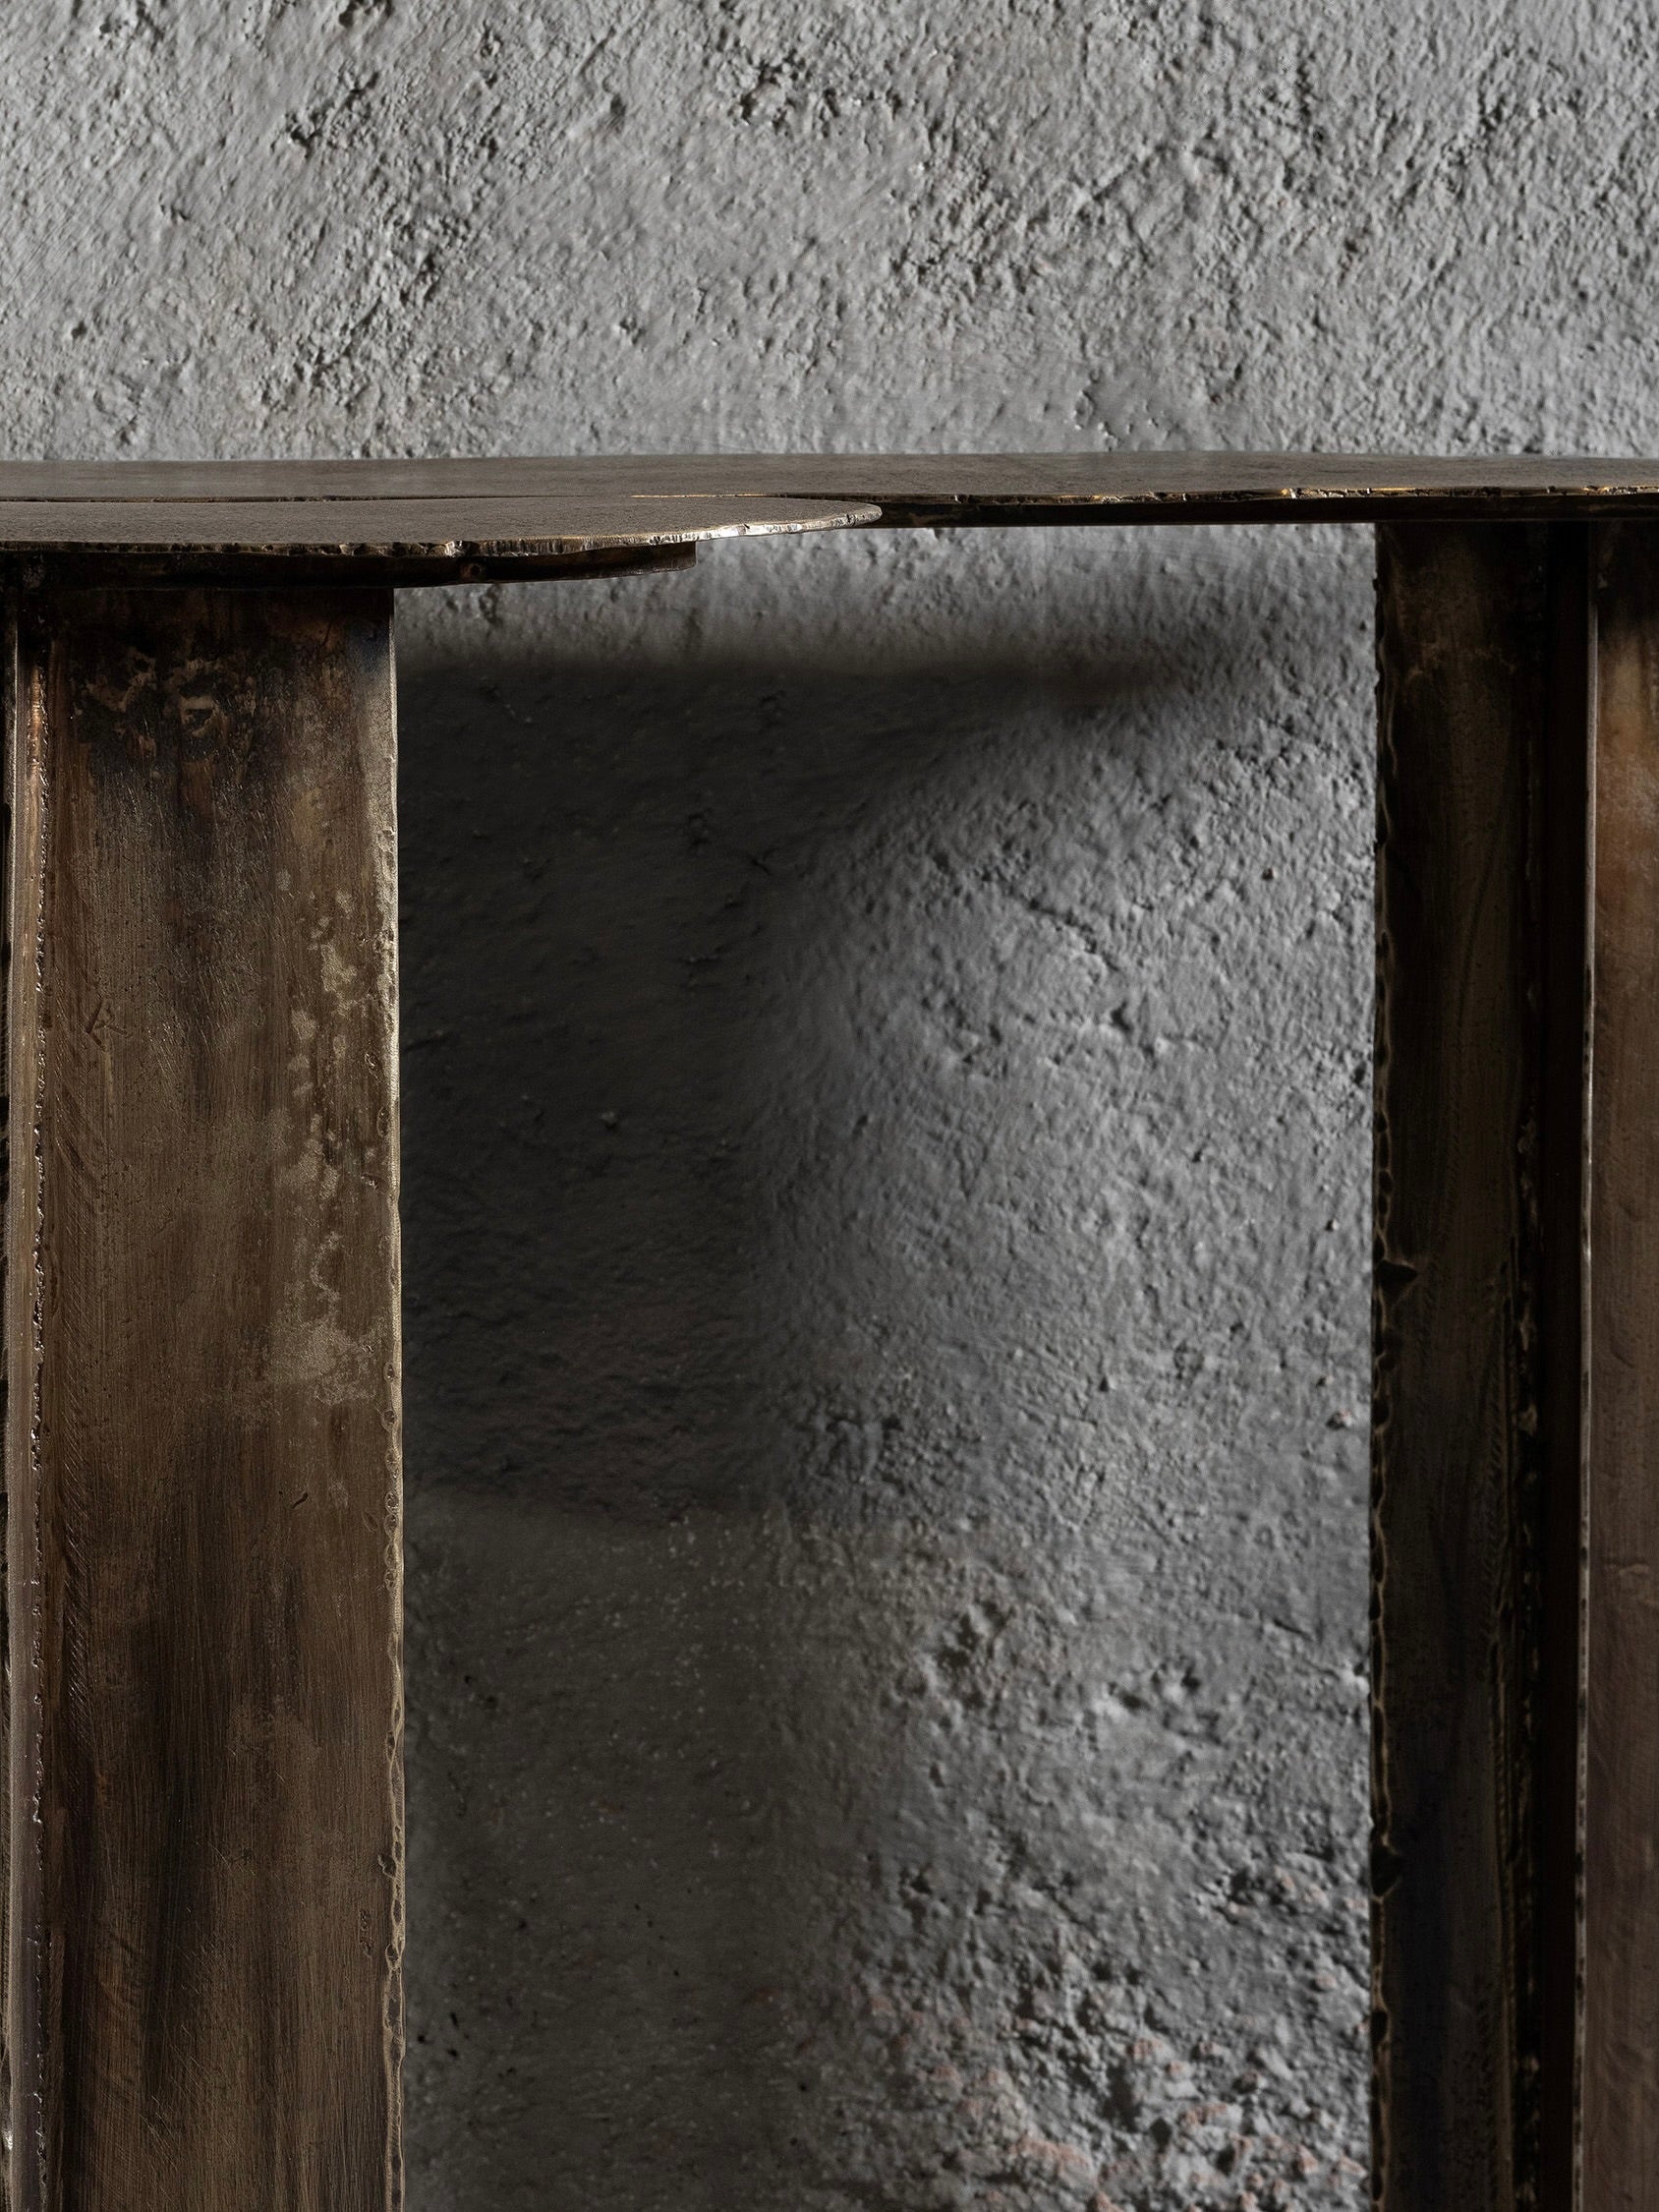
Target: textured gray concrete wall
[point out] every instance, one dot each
(887, 1124)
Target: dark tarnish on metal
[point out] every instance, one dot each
(7, 722)
(204, 1443)
(1477, 1499)
(1515, 1499)
(1621, 2100)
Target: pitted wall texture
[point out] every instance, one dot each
(885, 1021)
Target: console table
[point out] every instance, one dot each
(204, 1890)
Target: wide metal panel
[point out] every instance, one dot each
(201, 1341)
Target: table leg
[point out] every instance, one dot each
(1620, 2151)
(1516, 1500)
(202, 1447)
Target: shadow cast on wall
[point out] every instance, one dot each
(885, 1523)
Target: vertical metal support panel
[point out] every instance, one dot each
(1622, 1827)
(1478, 1497)
(201, 1340)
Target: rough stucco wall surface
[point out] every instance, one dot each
(886, 1019)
